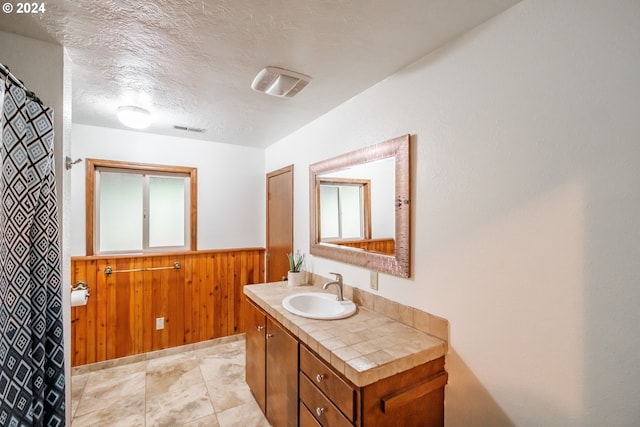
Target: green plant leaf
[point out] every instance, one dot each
(295, 261)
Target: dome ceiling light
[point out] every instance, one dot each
(134, 117)
(279, 82)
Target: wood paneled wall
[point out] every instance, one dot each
(386, 246)
(200, 301)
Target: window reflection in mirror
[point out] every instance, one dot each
(345, 209)
(372, 185)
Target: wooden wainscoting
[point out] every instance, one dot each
(200, 301)
(386, 246)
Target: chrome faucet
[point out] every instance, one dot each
(338, 283)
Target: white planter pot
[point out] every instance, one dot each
(295, 278)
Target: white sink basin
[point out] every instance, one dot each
(318, 305)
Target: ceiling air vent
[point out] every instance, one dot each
(188, 129)
(279, 82)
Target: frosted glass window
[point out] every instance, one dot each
(341, 212)
(166, 211)
(141, 212)
(329, 212)
(120, 202)
(351, 211)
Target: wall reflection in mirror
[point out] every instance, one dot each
(354, 214)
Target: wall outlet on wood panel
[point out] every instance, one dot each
(159, 323)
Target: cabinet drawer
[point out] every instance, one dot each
(334, 387)
(322, 409)
(306, 418)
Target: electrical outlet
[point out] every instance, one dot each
(373, 280)
(159, 323)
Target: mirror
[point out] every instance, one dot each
(360, 210)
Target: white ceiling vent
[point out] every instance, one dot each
(188, 129)
(279, 82)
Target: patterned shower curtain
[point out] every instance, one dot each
(31, 338)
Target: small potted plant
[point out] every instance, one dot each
(296, 275)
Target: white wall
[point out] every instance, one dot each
(231, 181)
(46, 70)
(526, 205)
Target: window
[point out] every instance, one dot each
(344, 209)
(139, 208)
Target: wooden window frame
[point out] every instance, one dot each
(94, 164)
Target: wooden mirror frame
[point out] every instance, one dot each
(397, 264)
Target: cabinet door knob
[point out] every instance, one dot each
(269, 336)
(319, 377)
(260, 328)
(319, 411)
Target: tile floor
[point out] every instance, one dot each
(203, 387)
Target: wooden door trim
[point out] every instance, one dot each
(271, 174)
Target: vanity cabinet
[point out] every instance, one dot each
(411, 398)
(295, 386)
(272, 368)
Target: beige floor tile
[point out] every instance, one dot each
(179, 407)
(107, 364)
(128, 412)
(171, 374)
(78, 382)
(169, 391)
(219, 366)
(226, 396)
(221, 350)
(224, 373)
(218, 341)
(106, 388)
(245, 415)
(208, 421)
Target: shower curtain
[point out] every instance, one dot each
(31, 337)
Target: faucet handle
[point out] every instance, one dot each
(338, 277)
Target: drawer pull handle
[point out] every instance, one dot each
(260, 328)
(319, 377)
(319, 411)
(269, 336)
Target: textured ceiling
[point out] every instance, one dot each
(191, 63)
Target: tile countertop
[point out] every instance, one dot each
(365, 347)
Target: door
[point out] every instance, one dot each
(279, 223)
(282, 377)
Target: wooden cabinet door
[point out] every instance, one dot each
(282, 376)
(256, 353)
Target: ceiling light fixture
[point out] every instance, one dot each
(134, 117)
(279, 82)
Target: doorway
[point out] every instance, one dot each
(279, 223)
